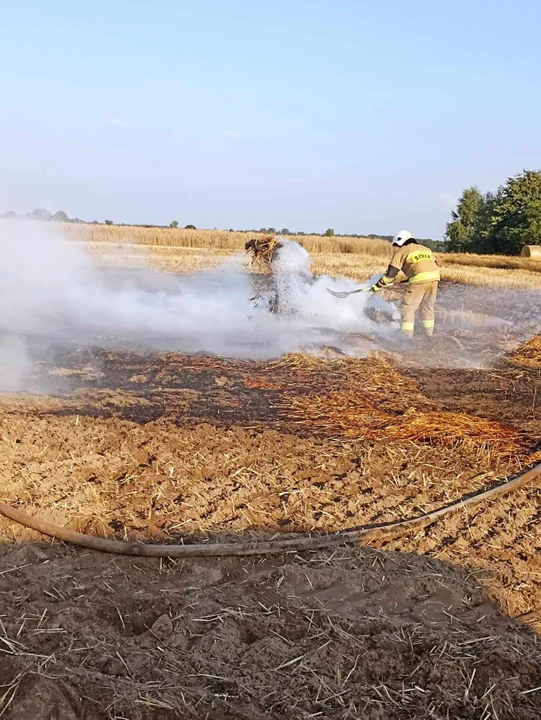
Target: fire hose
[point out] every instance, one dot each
(384, 531)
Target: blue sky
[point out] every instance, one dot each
(305, 114)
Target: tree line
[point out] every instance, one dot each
(44, 215)
(500, 222)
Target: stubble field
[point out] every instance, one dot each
(137, 444)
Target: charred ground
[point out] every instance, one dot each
(152, 445)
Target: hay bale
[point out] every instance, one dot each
(531, 251)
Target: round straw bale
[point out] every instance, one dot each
(531, 251)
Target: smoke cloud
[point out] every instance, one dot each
(55, 293)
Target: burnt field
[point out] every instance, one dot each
(142, 445)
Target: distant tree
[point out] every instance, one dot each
(39, 214)
(11, 214)
(284, 231)
(329, 233)
(190, 227)
(109, 222)
(435, 245)
(174, 224)
(516, 214)
(271, 231)
(461, 230)
(94, 222)
(484, 241)
(60, 216)
(500, 222)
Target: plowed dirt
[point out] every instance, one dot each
(162, 446)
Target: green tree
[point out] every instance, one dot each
(516, 215)
(284, 231)
(108, 222)
(190, 227)
(60, 216)
(174, 224)
(329, 233)
(461, 231)
(484, 240)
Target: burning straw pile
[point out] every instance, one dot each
(263, 251)
(368, 399)
(527, 355)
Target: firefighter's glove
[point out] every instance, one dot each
(374, 288)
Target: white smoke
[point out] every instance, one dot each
(308, 297)
(54, 293)
(15, 363)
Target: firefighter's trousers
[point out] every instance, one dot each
(420, 297)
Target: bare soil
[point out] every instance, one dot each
(147, 446)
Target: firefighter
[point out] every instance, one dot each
(418, 264)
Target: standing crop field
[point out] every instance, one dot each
(359, 258)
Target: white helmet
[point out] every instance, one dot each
(402, 237)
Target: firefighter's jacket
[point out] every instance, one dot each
(416, 261)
